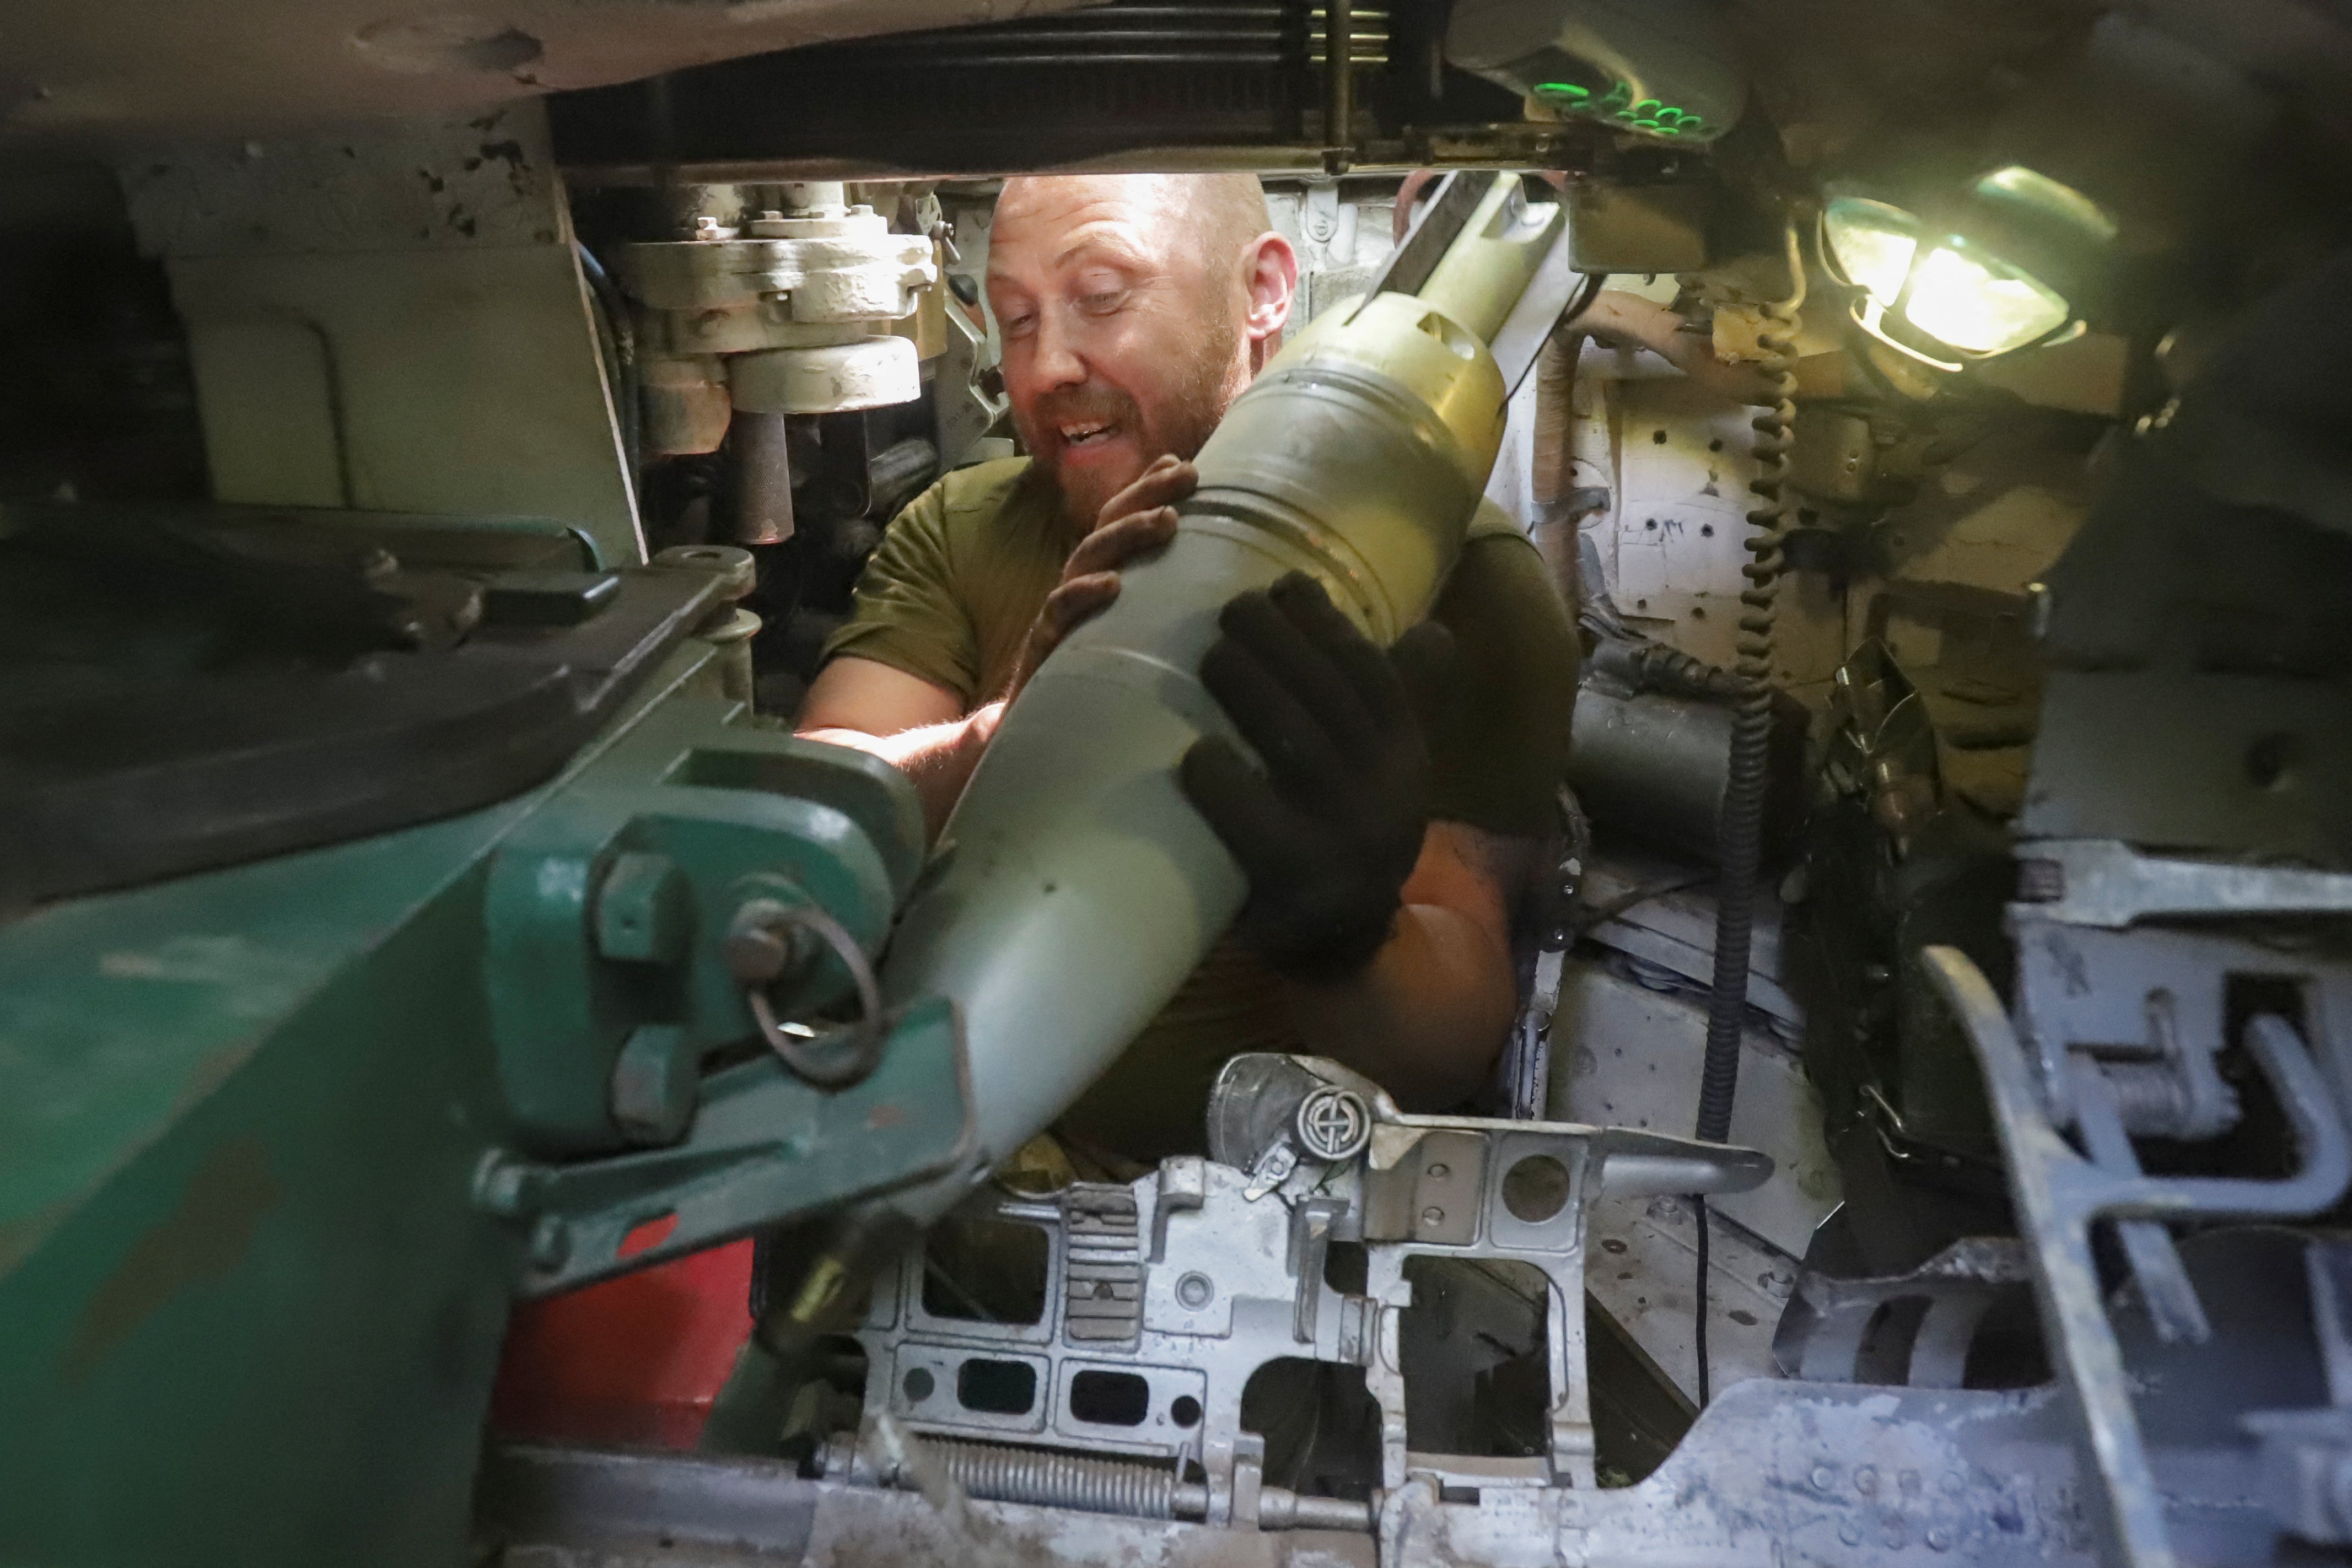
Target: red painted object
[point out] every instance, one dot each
(634, 1361)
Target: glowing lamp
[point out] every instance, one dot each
(2001, 268)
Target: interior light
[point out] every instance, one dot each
(1872, 245)
(1976, 309)
(1986, 277)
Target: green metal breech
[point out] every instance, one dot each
(281, 1144)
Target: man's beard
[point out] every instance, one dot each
(1181, 424)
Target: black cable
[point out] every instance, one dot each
(1698, 1206)
(1740, 836)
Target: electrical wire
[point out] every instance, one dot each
(1740, 836)
(621, 365)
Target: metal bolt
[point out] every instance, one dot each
(655, 1083)
(1194, 1291)
(1824, 1478)
(644, 911)
(1432, 1216)
(551, 1242)
(760, 948)
(1439, 1172)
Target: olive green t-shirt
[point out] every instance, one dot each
(948, 597)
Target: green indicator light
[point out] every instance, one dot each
(1648, 105)
(1566, 90)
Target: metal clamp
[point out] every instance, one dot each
(762, 947)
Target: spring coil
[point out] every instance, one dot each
(1049, 1480)
(1751, 733)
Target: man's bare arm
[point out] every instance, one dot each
(922, 728)
(1426, 1017)
(916, 726)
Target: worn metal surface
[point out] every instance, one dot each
(1667, 921)
(1208, 1275)
(389, 317)
(1770, 1474)
(795, 302)
(556, 1508)
(1626, 1057)
(1641, 1265)
(2199, 763)
(2108, 883)
(2059, 1193)
(372, 654)
(1823, 1336)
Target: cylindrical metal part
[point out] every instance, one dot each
(836, 378)
(1656, 766)
(804, 196)
(1340, 84)
(1280, 1509)
(1076, 886)
(763, 478)
(732, 637)
(729, 628)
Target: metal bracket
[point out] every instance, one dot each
(2105, 883)
(1821, 1337)
(1235, 1282)
(764, 1148)
(2058, 1193)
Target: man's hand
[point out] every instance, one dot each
(1138, 519)
(1330, 830)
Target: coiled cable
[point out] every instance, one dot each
(1740, 837)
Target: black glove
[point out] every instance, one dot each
(1329, 832)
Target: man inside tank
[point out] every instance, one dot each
(1406, 795)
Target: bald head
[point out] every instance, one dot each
(1133, 308)
(1216, 215)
